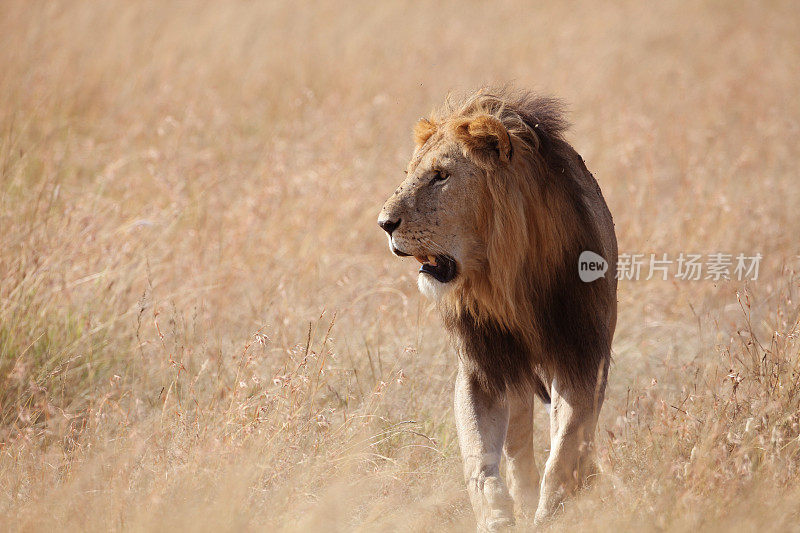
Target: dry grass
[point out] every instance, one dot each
(201, 326)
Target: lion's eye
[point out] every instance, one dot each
(439, 176)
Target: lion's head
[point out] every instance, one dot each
(435, 212)
(490, 205)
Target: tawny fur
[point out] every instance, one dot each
(517, 212)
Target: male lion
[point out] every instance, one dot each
(498, 208)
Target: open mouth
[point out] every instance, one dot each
(441, 267)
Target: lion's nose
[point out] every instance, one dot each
(388, 224)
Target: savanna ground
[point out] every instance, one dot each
(202, 327)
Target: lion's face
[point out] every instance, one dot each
(434, 213)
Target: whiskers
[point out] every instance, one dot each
(433, 246)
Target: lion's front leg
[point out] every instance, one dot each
(521, 471)
(481, 422)
(573, 418)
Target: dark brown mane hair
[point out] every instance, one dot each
(527, 318)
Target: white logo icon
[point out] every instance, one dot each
(591, 266)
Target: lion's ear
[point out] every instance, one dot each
(423, 131)
(486, 138)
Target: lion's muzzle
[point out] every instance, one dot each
(442, 268)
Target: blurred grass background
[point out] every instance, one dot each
(201, 326)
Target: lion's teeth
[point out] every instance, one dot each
(432, 260)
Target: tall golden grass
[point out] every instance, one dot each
(201, 326)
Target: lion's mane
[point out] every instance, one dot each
(526, 318)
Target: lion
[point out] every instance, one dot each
(497, 207)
